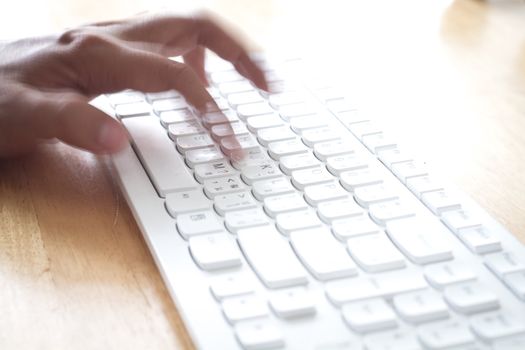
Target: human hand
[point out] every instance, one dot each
(47, 82)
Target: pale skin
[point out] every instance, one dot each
(47, 82)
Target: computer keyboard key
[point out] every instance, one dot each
(260, 171)
(279, 149)
(421, 306)
(322, 254)
(289, 112)
(227, 88)
(361, 176)
(310, 176)
(375, 253)
(470, 298)
(445, 335)
(241, 219)
(422, 184)
(181, 129)
(410, 169)
(223, 185)
(333, 210)
(497, 325)
(232, 144)
(213, 170)
(215, 118)
(480, 240)
(152, 96)
(230, 285)
(215, 251)
(186, 201)
(378, 142)
(372, 194)
(351, 117)
(392, 340)
(301, 124)
(512, 343)
(202, 156)
(170, 104)
(197, 223)
(225, 76)
(443, 275)
(341, 105)
(186, 143)
(271, 257)
(440, 202)
(259, 335)
(263, 121)
(229, 129)
(234, 201)
(242, 98)
(421, 241)
(298, 162)
(244, 307)
(392, 210)
(271, 187)
(133, 109)
(365, 128)
(124, 97)
(292, 303)
(316, 194)
(357, 225)
(516, 282)
(269, 135)
(317, 135)
(158, 155)
(284, 203)
(343, 291)
(296, 220)
(178, 116)
(323, 150)
(390, 157)
(254, 109)
(251, 157)
(459, 220)
(504, 263)
(286, 98)
(368, 316)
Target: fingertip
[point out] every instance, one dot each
(111, 137)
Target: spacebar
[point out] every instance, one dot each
(157, 153)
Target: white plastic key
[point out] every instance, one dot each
(407, 170)
(241, 219)
(421, 241)
(263, 121)
(440, 201)
(323, 150)
(296, 220)
(497, 325)
(516, 282)
(158, 155)
(202, 156)
(378, 142)
(169, 104)
(391, 210)
(234, 201)
(269, 135)
(199, 222)
(392, 340)
(152, 96)
(421, 306)
(471, 298)
(215, 251)
(316, 194)
(254, 109)
(238, 143)
(393, 156)
(251, 157)
(270, 187)
(302, 124)
(229, 129)
(184, 129)
(298, 162)
(213, 170)
(279, 149)
(372, 194)
(355, 226)
(223, 185)
(215, 118)
(260, 171)
(360, 176)
(340, 105)
(259, 335)
(225, 286)
(337, 209)
(283, 203)
(271, 257)
(375, 253)
(128, 96)
(310, 176)
(292, 303)
(322, 254)
(286, 98)
(186, 201)
(225, 76)
(480, 240)
(178, 116)
(317, 135)
(132, 109)
(244, 307)
(442, 275)
(365, 128)
(504, 263)
(460, 219)
(187, 143)
(227, 88)
(445, 335)
(289, 112)
(369, 315)
(422, 184)
(246, 97)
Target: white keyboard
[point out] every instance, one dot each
(325, 236)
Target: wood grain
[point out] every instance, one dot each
(447, 78)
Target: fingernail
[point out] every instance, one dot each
(111, 137)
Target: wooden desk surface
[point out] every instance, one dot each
(446, 77)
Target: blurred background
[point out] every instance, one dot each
(446, 78)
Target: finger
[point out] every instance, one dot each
(195, 59)
(72, 120)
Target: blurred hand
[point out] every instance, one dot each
(46, 82)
